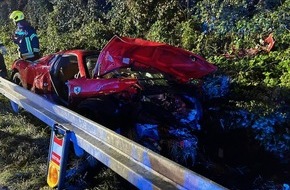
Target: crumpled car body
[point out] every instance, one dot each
(142, 54)
(133, 56)
(120, 53)
(50, 75)
(130, 84)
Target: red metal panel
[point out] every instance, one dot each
(182, 64)
(83, 87)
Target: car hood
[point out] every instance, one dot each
(138, 53)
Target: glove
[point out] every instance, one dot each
(13, 37)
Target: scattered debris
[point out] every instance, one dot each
(265, 45)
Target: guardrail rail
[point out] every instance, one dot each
(140, 166)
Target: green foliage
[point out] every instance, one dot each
(209, 28)
(68, 15)
(6, 7)
(93, 35)
(159, 33)
(12, 54)
(285, 76)
(136, 18)
(260, 84)
(42, 8)
(271, 131)
(188, 35)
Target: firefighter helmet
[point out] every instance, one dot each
(16, 16)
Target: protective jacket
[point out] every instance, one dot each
(27, 40)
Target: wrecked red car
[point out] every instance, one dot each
(129, 83)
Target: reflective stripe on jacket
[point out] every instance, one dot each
(26, 39)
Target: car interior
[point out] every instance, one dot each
(65, 68)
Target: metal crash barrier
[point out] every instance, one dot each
(140, 166)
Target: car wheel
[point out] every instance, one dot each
(16, 78)
(102, 111)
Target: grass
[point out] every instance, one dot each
(24, 143)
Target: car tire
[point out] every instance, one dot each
(16, 78)
(102, 111)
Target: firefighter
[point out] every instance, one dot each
(25, 37)
(3, 69)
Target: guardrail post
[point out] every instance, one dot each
(57, 156)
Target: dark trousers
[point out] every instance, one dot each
(3, 69)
